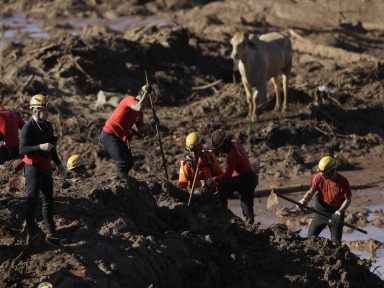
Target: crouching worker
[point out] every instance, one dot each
(10, 123)
(38, 145)
(118, 131)
(334, 198)
(208, 166)
(238, 175)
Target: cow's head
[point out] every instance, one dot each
(240, 41)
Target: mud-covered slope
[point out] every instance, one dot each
(135, 235)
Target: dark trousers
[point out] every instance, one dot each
(319, 222)
(8, 154)
(245, 184)
(38, 180)
(119, 152)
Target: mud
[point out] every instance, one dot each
(115, 238)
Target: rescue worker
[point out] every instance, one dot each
(208, 167)
(76, 166)
(38, 145)
(334, 196)
(10, 124)
(238, 175)
(118, 130)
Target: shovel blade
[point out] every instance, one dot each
(272, 200)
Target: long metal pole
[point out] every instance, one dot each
(320, 212)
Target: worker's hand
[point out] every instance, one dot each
(46, 147)
(62, 171)
(335, 218)
(148, 88)
(210, 181)
(3, 143)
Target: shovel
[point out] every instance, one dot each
(272, 200)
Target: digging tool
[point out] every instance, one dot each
(314, 210)
(194, 181)
(157, 132)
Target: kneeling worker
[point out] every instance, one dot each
(208, 164)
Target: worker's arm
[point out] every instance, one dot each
(139, 105)
(308, 196)
(345, 205)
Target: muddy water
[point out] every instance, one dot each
(267, 218)
(11, 28)
(14, 26)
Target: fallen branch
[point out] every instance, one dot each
(195, 88)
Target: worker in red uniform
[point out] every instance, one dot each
(208, 166)
(10, 124)
(118, 130)
(333, 197)
(238, 176)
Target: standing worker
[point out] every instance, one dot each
(334, 198)
(208, 167)
(238, 175)
(10, 124)
(118, 130)
(38, 145)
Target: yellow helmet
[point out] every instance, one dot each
(74, 162)
(193, 141)
(38, 101)
(327, 163)
(218, 138)
(153, 92)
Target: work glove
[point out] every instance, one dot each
(210, 181)
(335, 218)
(155, 122)
(3, 143)
(46, 147)
(303, 202)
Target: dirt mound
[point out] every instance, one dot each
(135, 235)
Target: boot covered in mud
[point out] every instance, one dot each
(53, 238)
(33, 232)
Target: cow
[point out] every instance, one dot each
(259, 59)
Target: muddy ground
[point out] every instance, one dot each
(336, 43)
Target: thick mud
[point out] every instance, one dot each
(135, 236)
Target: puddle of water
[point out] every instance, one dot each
(19, 25)
(378, 265)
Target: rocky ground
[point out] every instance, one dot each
(153, 238)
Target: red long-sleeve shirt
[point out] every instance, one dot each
(237, 162)
(10, 123)
(123, 118)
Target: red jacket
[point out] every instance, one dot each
(123, 118)
(10, 123)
